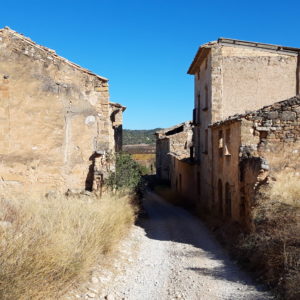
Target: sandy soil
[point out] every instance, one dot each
(170, 254)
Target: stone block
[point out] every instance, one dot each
(296, 109)
(272, 115)
(288, 116)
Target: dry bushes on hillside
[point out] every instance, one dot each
(273, 249)
(48, 244)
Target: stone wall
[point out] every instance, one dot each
(226, 141)
(252, 137)
(176, 141)
(183, 180)
(253, 77)
(232, 78)
(54, 115)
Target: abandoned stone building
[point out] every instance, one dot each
(174, 164)
(240, 149)
(233, 77)
(57, 125)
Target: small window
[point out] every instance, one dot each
(192, 153)
(198, 145)
(194, 116)
(206, 141)
(206, 98)
(198, 75)
(198, 108)
(180, 183)
(220, 197)
(228, 200)
(198, 183)
(242, 207)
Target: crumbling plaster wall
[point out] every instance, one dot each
(53, 116)
(226, 140)
(169, 142)
(252, 77)
(234, 79)
(253, 137)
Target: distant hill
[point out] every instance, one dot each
(131, 137)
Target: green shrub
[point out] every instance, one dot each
(128, 173)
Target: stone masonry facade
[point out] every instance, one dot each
(232, 77)
(55, 119)
(233, 80)
(172, 143)
(241, 145)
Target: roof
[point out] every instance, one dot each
(277, 105)
(164, 133)
(50, 52)
(118, 105)
(204, 49)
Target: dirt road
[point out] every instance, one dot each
(176, 257)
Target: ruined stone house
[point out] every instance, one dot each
(240, 144)
(173, 158)
(232, 77)
(57, 125)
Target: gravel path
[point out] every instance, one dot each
(171, 255)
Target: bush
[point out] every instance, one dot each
(128, 174)
(273, 248)
(48, 244)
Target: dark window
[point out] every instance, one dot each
(192, 153)
(198, 108)
(206, 141)
(180, 183)
(194, 115)
(198, 183)
(206, 98)
(228, 199)
(220, 197)
(242, 207)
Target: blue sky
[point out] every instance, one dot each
(145, 47)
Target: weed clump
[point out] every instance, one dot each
(47, 244)
(273, 248)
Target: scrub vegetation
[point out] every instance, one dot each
(49, 244)
(131, 137)
(273, 248)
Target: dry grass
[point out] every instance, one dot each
(273, 249)
(285, 175)
(143, 156)
(48, 244)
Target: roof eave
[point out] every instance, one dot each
(52, 53)
(201, 54)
